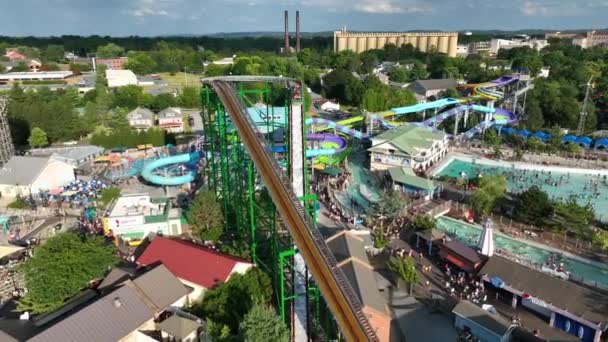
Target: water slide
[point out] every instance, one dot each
(338, 126)
(439, 118)
(426, 105)
(330, 144)
(148, 172)
(487, 90)
(501, 117)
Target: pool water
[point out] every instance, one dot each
(526, 253)
(585, 187)
(360, 176)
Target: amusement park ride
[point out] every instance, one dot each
(256, 176)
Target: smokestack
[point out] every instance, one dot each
(286, 32)
(297, 31)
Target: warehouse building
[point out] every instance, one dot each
(24, 176)
(445, 42)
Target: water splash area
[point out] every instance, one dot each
(586, 186)
(526, 253)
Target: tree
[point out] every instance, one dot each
(534, 116)
(61, 268)
(110, 50)
(405, 269)
(424, 222)
(140, 63)
(131, 97)
(261, 324)
(534, 206)
(574, 217)
(214, 70)
(227, 303)
(162, 101)
(390, 204)
(108, 195)
(53, 53)
(400, 75)
(189, 98)
(490, 190)
(205, 216)
(38, 138)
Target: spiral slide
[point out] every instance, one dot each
(330, 144)
(187, 158)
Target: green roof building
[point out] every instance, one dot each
(411, 146)
(404, 179)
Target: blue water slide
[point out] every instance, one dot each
(346, 130)
(187, 158)
(424, 106)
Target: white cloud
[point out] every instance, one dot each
(150, 8)
(534, 9)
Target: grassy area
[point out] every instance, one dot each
(181, 79)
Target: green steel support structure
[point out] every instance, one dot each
(249, 213)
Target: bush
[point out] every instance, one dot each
(19, 203)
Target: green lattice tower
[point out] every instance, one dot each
(248, 209)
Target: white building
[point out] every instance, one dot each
(462, 50)
(410, 146)
(171, 120)
(24, 176)
(224, 61)
(141, 119)
(73, 155)
(328, 106)
(133, 217)
(120, 78)
(36, 76)
(497, 44)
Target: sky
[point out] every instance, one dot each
(170, 17)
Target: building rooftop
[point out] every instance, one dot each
(140, 113)
(472, 312)
(69, 152)
(463, 250)
(349, 251)
(436, 84)
(36, 74)
(22, 170)
(179, 327)
(121, 311)
(188, 261)
(408, 177)
(170, 112)
(431, 234)
(346, 245)
(138, 204)
(410, 139)
(580, 301)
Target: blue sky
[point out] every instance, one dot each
(165, 17)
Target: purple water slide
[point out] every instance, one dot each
(504, 80)
(511, 118)
(329, 138)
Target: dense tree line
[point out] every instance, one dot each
(557, 100)
(84, 46)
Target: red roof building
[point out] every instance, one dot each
(14, 55)
(195, 265)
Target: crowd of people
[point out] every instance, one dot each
(462, 285)
(558, 184)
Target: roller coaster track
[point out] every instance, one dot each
(339, 295)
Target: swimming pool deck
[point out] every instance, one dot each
(533, 243)
(512, 164)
